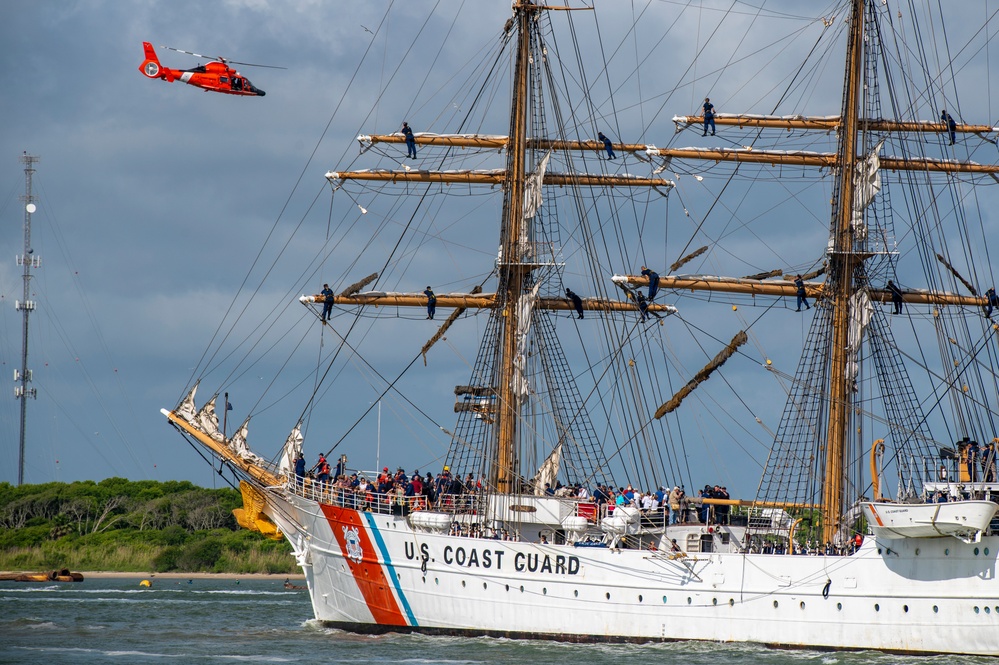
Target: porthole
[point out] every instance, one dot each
(485, 586)
(664, 600)
(879, 550)
(976, 551)
(436, 581)
(714, 601)
(689, 601)
(398, 576)
(775, 604)
(917, 551)
(463, 584)
(576, 593)
(947, 552)
(986, 551)
(839, 607)
(988, 610)
(935, 609)
(877, 607)
(522, 589)
(507, 587)
(639, 597)
(424, 579)
(608, 595)
(802, 605)
(977, 610)
(731, 602)
(544, 591)
(905, 608)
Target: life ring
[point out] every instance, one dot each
(943, 472)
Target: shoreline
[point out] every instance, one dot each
(100, 574)
(104, 574)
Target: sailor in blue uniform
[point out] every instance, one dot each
(608, 146)
(299, 470)
(653, 282)
(643, 305)
(431, 302)
(410, 141)
(991, 300)
(577, 302)
(896, 296)
(972, 453)
(951, 125)
(800, 284)
(709, 117)
(327, 294)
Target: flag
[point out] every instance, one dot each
(228, 405)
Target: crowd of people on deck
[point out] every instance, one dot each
(670, 506)
(414, 491)
(978, 456)
(401, 491)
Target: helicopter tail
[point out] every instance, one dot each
(151, 66)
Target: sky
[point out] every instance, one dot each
(154, 199)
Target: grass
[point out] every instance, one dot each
(132, 557)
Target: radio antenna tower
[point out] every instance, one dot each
(28, 260)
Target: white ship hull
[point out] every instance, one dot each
(923, 595)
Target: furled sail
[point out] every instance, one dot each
(867, 184)
(186, 408)
(239, 446)
(548, 471)
(533, 189)
(208, 421)
(525, 305)
(292, 447)
(861, 311)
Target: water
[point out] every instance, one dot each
(258, 621)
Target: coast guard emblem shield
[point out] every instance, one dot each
(354, 550)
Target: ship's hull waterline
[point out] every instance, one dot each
(374, 573)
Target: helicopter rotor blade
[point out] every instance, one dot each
(196, 55)
(250, 64)
(221, 59)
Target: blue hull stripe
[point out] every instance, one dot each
(391, 569)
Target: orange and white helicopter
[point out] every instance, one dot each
(215, 76)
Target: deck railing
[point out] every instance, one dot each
(390, 503)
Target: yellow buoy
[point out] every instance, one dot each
(145, 583)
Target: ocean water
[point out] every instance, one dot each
(258, 621)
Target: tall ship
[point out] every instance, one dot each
(564, 502)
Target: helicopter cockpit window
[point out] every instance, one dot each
(223, 79)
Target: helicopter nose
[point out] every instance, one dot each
(260, 92)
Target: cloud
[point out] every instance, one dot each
(156, 198)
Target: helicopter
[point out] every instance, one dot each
(215, 76)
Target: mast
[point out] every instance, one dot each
(512, 273)
(843, 262)
(28, 260)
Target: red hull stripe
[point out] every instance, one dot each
(368, 572)
(391, 569)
